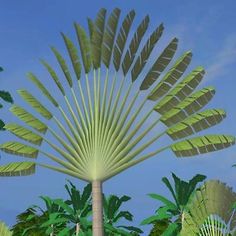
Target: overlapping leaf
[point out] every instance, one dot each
(196, 123)
(109, 36)
(202, 144)
(134, 45)
(17, 169)
(146, 51)
(29, 98)
(160, 64)
(122, 38)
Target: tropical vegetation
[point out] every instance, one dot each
(101, 123)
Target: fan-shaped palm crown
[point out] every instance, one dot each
(102, 124)
(210, 212)
(99, 143)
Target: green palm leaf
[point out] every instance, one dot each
(160, 64)
(109, 36)
(196, 123)
(204, 144)
(121, 39)
(191, 104)
(63, 66)
(17, 169)
(19, 149)
(73, 56)
(6, 96)
(28, 118)
(84, 47)
(180, 92)
(35, 103)
(134, 45)
(24, 133)
(42, 88)
(146, 51)
(171, 77)
(97, 37)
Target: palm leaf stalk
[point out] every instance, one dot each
(102, 128)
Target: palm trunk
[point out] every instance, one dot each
(98, 229)
(77, 229)
(51, 234)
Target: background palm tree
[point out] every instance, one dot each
(210, 211)
(112, 215)
(102, 124)
(4, 231)
(5, 96)
(181, 193)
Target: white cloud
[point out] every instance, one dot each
(224, 58)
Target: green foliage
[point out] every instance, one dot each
(173, 211)
(159, 227)
(4, 231)
(112, 215)
(5, 96)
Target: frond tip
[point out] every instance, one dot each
(203, 144)
(17, 169)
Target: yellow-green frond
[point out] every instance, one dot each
(203, 144)
(17, 169)
(24, 133)
(32, 101)
(19, 149)
(28, 118)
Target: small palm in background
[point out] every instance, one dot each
(210, 211)
(112, 216)
(173, 211)
(6, 96)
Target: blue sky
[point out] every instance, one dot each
(29, 27)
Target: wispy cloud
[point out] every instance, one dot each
(224, 58)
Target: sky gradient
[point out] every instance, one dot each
(29, 27)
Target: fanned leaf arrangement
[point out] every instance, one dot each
(4, 230)
(210, 210)
(101, 128)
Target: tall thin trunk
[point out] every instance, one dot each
(98, 229)
(51, 234)
(77, 229)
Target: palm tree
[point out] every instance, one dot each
(78, 208)
(210, 211)
(4, 231)
(5, 96)
(112, 216)
(181, 194)
(104, 125)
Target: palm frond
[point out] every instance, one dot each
(160, 64)
(109, 36)
(24, 133)
(28, 118)
(134, 45)
(146, 51)
(171, 77)
(19, 149)
(63, 66)
(73, 56)
(6, 96)
(42, 88)
(31, 100)
(196, 123)
(17, 169)
(97, 38)
(122, 38)
(188, 106)
(203, 144)
(84, 47)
